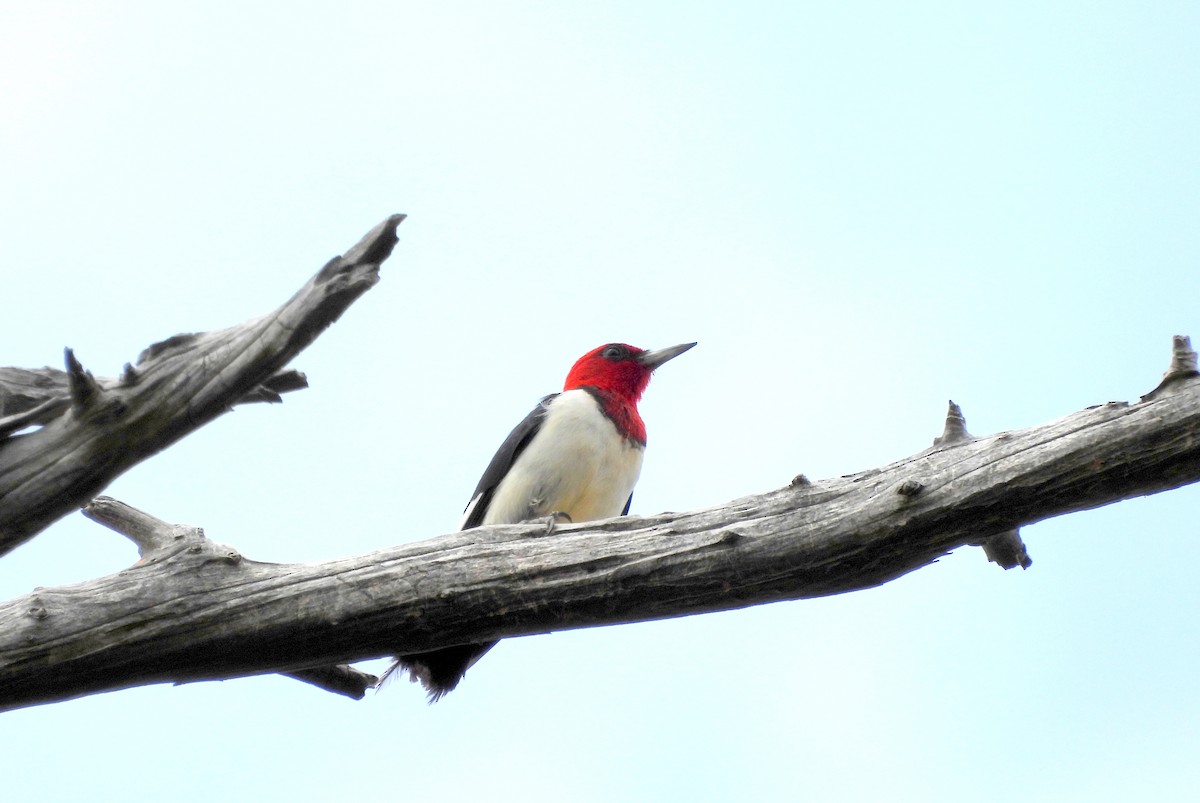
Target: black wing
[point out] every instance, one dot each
(505, 456)
(628, 502)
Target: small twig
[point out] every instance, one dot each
(149, 533)
(44, 412)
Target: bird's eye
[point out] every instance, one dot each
(613, 353)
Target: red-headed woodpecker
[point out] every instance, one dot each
(576, 457)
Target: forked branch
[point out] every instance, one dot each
(88, 430)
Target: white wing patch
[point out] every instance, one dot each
(577, 464)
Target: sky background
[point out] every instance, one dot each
(860, 210)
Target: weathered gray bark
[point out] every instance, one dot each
(33, 397)
(91, 430)
(196, 610)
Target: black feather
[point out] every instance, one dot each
(504, 458)
(439, 671)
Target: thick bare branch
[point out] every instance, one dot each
(195, 616)
(92, 430)
(158, 540)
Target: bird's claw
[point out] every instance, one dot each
(554, 518)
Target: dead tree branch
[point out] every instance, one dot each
(157, 540)
(91, 430)
(202, 613)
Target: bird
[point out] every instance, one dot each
(576, 457)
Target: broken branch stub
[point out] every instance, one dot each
(1183, 366)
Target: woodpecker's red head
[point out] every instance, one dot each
(618, 375)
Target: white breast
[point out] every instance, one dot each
(576, 464)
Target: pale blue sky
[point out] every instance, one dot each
(860, 210)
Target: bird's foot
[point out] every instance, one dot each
(554, 518)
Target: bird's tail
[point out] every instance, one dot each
(439, 671)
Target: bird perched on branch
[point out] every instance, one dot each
(575, 458)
